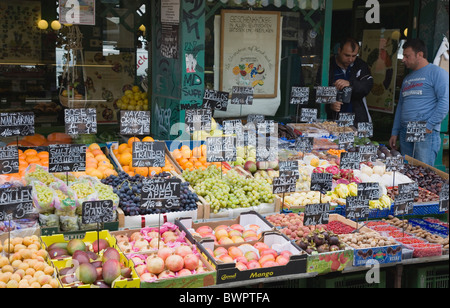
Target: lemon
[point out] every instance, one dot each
(135, 89)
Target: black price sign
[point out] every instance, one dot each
(242, 95)
(325, 95)
(16, 203)
(346, 119)
(16, 124)
(299, 95)
(287, 167)
(416, 131)
(368, 152)
(284, 184)
(370, 190)
(346, 140)
(365, 129)
(220, 149)
(407, 188)
(316, 214)
(344, 95)
(357, 208)
(266, 127)
(266, 148)
(308, 115)
(67, 158)
(9, 160)
(198, 119)
(213, 99)
(304, 144)
(322, 182)
(231, 127)
(160, 193)
(134, 123)
(394, 163)
(99, 211)
(80, 121)
(255, 118)
(149, 154)
(443, 198)
(403, 204)
(350, 160)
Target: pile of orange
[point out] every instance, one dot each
(97, 163)
(192, 159)
(26, 158)
(124, 156)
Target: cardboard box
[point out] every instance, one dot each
(227, 272)
(413, 161)
(384, 254)
(187, 224)
(89, 238)
(199, 280)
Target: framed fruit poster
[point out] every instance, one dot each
(379, 49)
(249, 53)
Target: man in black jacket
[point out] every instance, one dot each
(348, 70)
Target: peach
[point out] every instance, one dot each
(44, 279)
(12, 284)
(17, 241)
(20, 272)
(3, 261)
(54, 283)
(16, 263)
(7, 268)
(23, 284)
(35, 285)
(27, 240)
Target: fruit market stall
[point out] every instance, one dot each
(217, 212)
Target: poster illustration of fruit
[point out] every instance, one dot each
(379, 50)
(249, 54)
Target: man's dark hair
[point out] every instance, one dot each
(353, 43)
(416, 45)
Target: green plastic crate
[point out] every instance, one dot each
(356, 280)
(427, 277)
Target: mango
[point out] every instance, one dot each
(80, 256)
(74, 245)
(110, 253)
(58, 253)
(87, 273)
(99, 245)
(62, 245)
(111, 270)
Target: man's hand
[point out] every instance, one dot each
(341, 83)
(336, 106)
(428, 131)
(393, 142)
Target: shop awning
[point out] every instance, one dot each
(301, 4)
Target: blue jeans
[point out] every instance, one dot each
(425, 151)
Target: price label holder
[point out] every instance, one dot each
(266, 148)
(14, 124)
(394, 164)
(285, 183)
(345, 119)
(416, 132)
(368, 152)
(241, 96)
(325, 95)
(80, 121)
(346, 140)
(443, 198)
(149, 154)
(9, 160)
(308, 115)
(369, 190)
(365, 129)
(357, 208)
(67, 158)
(159, 193)
(99, 211)
(407, 188)
(304, 144)
(316, 214)
(299, 96)
(197, 119)
(321, 182)
(217, 100)
(288, 167)
(344, 95)
(220, 149)
(16, 203)
(403, 205)
(255, 118)
(134, 123)
(350, 160)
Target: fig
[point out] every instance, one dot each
(111, 270)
